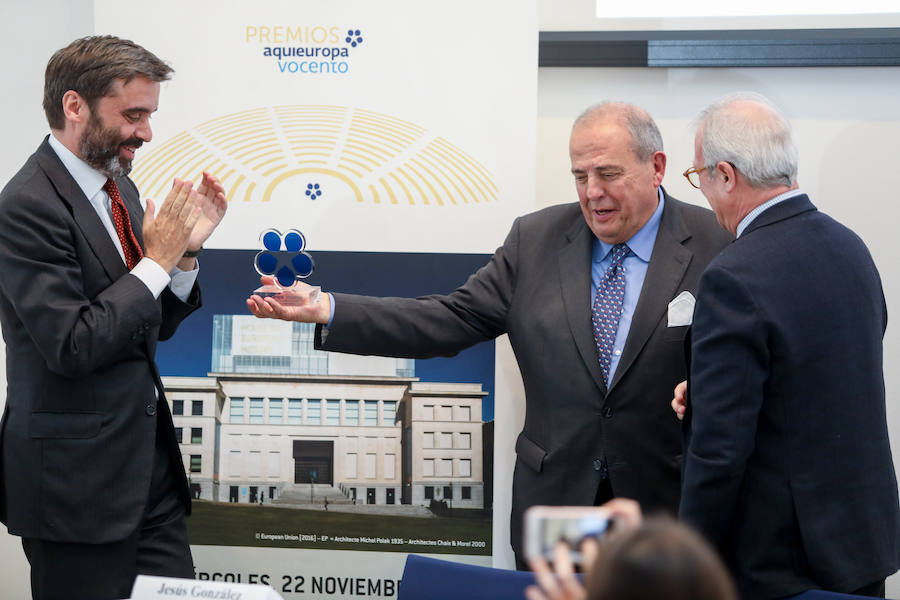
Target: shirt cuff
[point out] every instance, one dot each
(323, 335)
(152, 275)
(331, 317)
(183, 281)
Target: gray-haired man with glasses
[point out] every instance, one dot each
(788, 468)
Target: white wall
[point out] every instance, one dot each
(30, 32)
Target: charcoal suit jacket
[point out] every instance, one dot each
(79, 429)
(537, 288)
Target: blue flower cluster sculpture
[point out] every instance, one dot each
(284, 257)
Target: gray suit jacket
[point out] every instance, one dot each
(79, 430)
(536, 288)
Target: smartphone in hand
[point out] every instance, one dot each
(545, 526)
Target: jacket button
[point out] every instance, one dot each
(607, 412)
(598, 464)
(151, 409)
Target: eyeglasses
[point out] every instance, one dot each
(693, 175)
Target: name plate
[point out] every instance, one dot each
(155, 588)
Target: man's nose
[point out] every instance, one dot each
(595, 187)
(143, 132)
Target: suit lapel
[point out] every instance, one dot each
(668, 264)
(575, 278)
(84, 214)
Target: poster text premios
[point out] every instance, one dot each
(304, 49)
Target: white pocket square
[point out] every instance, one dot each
(681, 309)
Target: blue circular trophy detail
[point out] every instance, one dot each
(266, 263)
(284, 257)
(303, 265)
(271, 240)
(285, 277)
(293, 241)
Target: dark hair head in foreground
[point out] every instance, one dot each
(660, 559)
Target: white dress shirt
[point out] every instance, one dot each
(147, 270)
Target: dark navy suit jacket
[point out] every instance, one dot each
(788, 468)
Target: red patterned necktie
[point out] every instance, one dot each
(607, 308)
(122, 221)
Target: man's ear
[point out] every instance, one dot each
(75, 109)
(729, 174)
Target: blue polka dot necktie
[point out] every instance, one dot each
(608, 307)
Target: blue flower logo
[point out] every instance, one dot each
(313, 191)
(354, 38)
(284, 257)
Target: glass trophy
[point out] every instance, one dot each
(284, 259)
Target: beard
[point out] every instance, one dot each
(100, 148)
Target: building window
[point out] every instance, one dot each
(389, 412)
(196, 435)
(428, 412)
(350, 466)
(445, 440)
(370, 466)
(429, 492)
(197, 408)
(295, 411)
(465, 440)
(463, 413)
(255, 466)
(370, 495)
(389, 462)
(256, 410)
(314, 411)
(389, 496)
(276, 410)
(466, 492)
(351, 412)
(428, 468)
(428, 439)
(236, 414)
(195, 463)
(370, 413)
(177, 407)
(232, 493)
(465, 467)
(234, 463)
(446, 467)
(274, 467)
(179, 434)
(448, 492)
(333, 412)
(445, 413)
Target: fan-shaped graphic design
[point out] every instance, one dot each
(382, 159)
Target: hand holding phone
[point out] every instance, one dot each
(546, 526)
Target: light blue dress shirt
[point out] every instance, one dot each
(745, 222)
(636, 263)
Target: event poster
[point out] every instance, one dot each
(398, 137)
